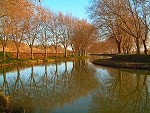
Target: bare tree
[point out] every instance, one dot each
(55, 30)
(84, 35)
(45, 31)
(132, 19)
(32, 30)
(66, 29)
(4, 34)
(144, 14)
(17, 36)
(9, 12)
(18, 12)
(108, 23)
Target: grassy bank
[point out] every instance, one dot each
(126, 61)
(12, 62)
(28, 61)
(132, 58)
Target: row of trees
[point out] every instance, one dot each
(25, 21)
(125, 22)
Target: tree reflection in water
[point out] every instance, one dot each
(54, 88)
(5, 88)
(122, 92)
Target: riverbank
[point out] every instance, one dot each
(13, 62)
(126, 61)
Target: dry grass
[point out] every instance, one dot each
(25, 48)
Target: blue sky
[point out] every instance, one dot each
(76, 7)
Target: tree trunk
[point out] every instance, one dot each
(128, 49)
(56, 49)
(31, 48)
(65, 51)
(137, 46)
(18, 56)
(4, 53)
(145, 47)
(79, 51)
(73, 52)
(82, 52)
(85, 54)
(45, 52)
(119, 47)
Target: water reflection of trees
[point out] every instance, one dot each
(43, 93)
(122, 92)
(5, 86)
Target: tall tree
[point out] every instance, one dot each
(4, 33)
(66, 29)
(84, 35)
(132, 14)
(45, 31)
(18, 24)
(32, 29)
(144, 15)
(55, 30)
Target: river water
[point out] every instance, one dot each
(77, 87)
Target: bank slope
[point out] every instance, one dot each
(126, 61)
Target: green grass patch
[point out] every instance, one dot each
(126, 61)
(8, 62)
(68, 57)
(132, 58)
(12, 60)
(103, 54)
(8, 55)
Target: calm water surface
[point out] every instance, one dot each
(77, 87)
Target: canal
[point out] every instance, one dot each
(77, 87)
